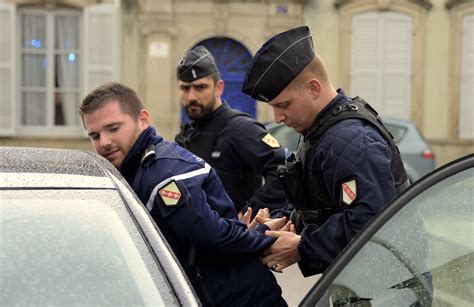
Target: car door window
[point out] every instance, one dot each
(423, 255)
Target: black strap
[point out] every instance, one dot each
(202, 141)
(207, 133)
(360, 109)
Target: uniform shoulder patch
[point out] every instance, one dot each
(270, 141)
(170, 194)
(349, 191)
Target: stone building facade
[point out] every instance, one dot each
(413, 58)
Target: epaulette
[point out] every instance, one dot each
(148, 155)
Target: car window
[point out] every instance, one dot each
(423, 256)
(397, 131)
(80, 247)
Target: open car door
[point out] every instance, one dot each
(419, 251)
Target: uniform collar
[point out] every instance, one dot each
(132, 161)
(340, 98)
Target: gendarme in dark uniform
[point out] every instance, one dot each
(346, 168)
(236, 145)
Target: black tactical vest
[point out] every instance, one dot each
(201, 141)
(318, 205)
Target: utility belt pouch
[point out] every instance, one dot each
(291, 178)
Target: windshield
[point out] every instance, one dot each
(80, 247)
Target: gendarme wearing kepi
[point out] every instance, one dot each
(277, 63)
(197, 63)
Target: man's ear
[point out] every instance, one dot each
(315, 88)
(144, 119)
(219, 88)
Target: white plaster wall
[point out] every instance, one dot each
(436, 103)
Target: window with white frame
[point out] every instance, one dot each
(50, 55)
(381, 61)
(49, 59)
(466, 114)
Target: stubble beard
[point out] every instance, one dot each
(203, 109)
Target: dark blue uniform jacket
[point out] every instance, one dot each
(242, 151)
(204, 220)
(350, 149)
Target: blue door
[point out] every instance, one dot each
(232, 60)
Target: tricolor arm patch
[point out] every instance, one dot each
(269, 140)
(170, 194)
(349, 192)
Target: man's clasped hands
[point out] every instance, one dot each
(284, 251)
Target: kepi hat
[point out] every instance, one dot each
(278, 62)
(197, 63)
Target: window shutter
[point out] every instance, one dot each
(466, 114)
(364, 52)
(7, 70)
(396, 61)
(100, 45)
(381, 61)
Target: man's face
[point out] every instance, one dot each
(112, 132)
(199, 97)
(295, 107)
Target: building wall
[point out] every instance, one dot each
(178, 25)
(78, 141)
(435, 60)
(154, 35)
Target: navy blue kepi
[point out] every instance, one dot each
(197, 63)
(277, 63)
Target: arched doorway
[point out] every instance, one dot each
(232, 60)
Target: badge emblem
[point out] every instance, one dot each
(349, 191)
(170, 194)
(271, 141)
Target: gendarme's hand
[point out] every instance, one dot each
(263, 217)
(262, 214)
(284, 252)
(280, 224)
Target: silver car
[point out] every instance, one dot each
(72, 233)
(417, 155)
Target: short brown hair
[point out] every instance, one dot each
(314, 69)
(317, 68)
(127, 98)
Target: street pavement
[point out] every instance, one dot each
(294, 285)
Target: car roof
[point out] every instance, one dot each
(54, 168)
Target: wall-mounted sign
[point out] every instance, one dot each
(282, 9)
(158, 50)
